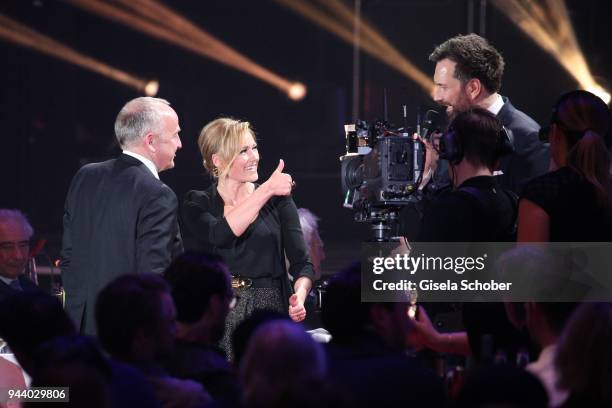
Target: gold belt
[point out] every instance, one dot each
(238, 282)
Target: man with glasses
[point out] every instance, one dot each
(15, 234)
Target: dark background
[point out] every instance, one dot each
(55, 117)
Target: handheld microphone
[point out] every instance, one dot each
(431, 124)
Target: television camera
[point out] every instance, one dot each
(382, 170)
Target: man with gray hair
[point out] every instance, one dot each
(15, 234)
(119, 218)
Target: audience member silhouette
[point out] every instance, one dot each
(135, 316)
(283, 366)
(202, 292)
(584, 356)
(367, 359)
(45, 344)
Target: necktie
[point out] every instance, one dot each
(15, 285)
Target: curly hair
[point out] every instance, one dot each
(475, 58)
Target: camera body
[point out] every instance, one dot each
(382, 169)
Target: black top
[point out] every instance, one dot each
(260, 251)
(208, 366)
(370, 374)
(26, 284)
(129, 388)
(458, 216)
(477, 211)
(571, 203)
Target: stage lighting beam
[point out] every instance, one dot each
(18, 33)
(372, 42)
(549, 26)
(157, 20)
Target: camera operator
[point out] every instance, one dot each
(468, 74)
(474, 209)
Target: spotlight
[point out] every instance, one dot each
(151, 88)
(297, 91)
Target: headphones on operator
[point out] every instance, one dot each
(451, 144)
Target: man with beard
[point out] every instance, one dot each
(468, 74)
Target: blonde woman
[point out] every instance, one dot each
(252, 226)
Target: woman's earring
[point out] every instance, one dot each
(215, 172)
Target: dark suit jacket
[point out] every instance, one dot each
(26, 284)
(530, 158)
(369, 374)
(208, 366)
(118, 219)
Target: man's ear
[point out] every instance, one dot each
(149, 139)
(473, 88)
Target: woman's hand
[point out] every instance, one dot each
(242, 215)
(302, 287)
(297, 311)
(424, 334)
(279, 183)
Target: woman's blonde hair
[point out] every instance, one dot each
(224, 137)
